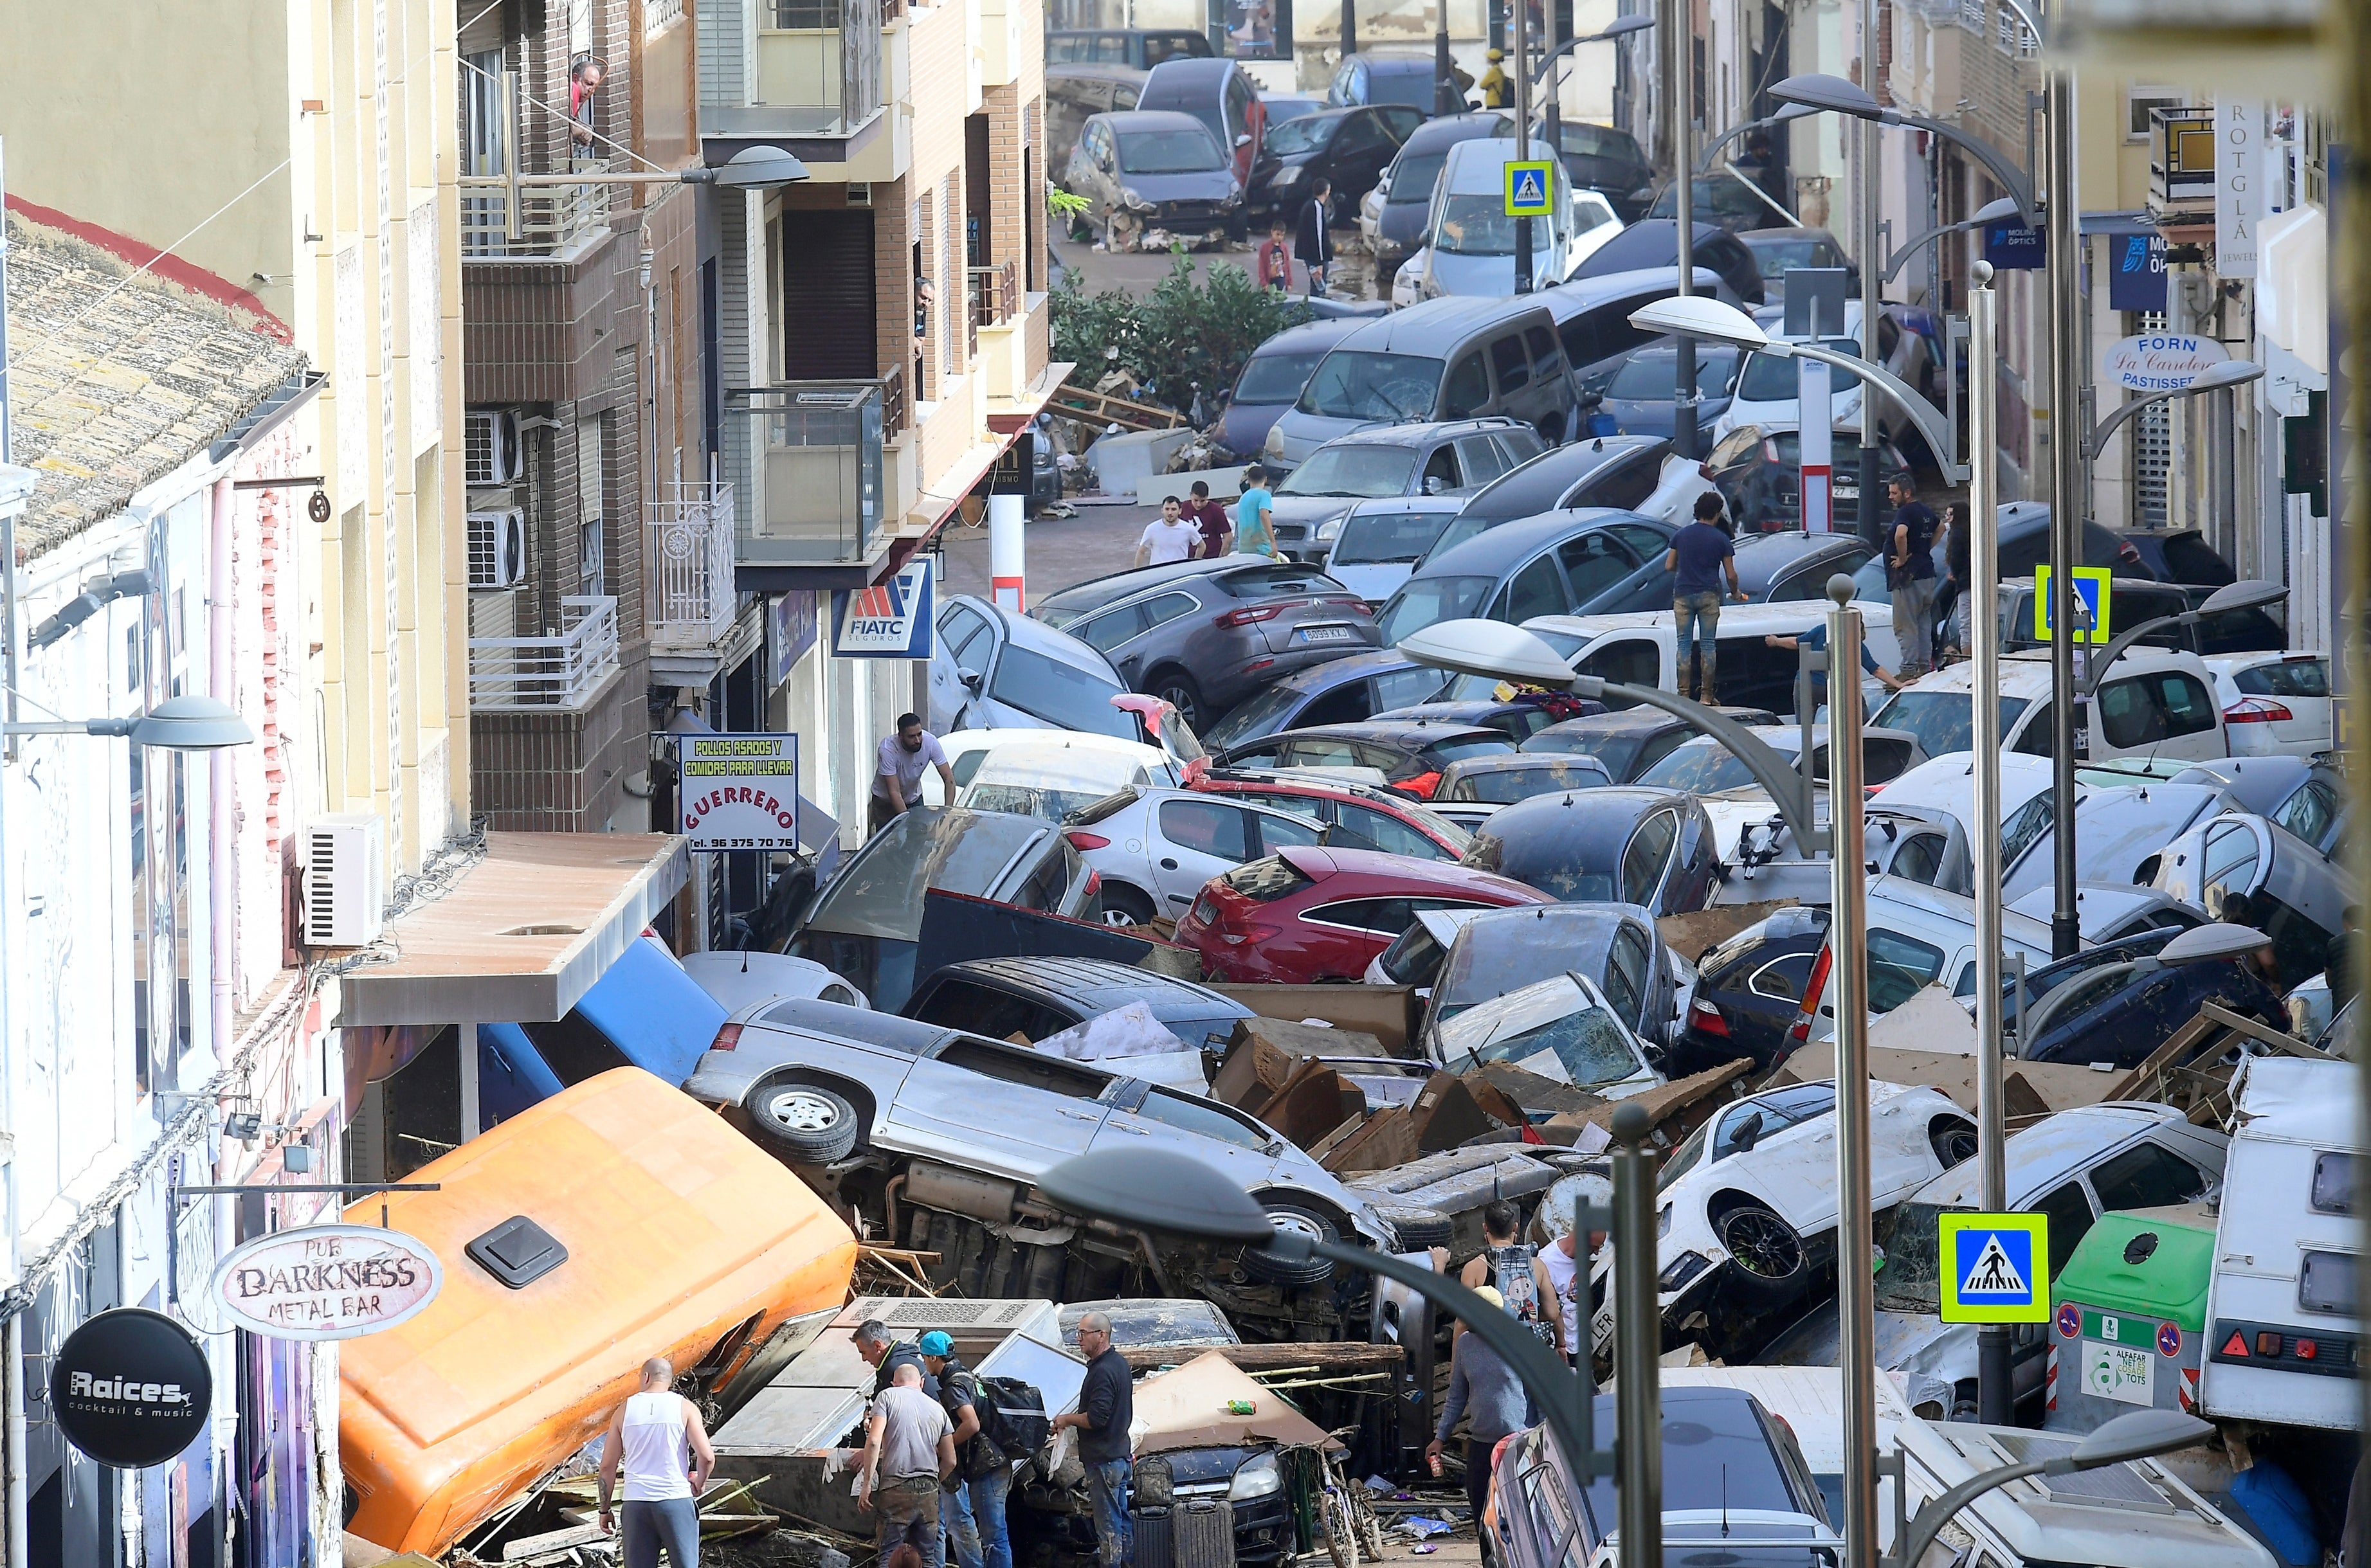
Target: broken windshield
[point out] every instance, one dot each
(1907, 1281)
(1557, 1028)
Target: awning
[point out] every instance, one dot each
(2091, 224)
(521, 934)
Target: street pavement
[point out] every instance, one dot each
(1062, 550)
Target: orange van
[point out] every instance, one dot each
(617, 1220)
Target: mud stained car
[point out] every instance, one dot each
(1626, 845)
(937, 1137)
(1614, 945)
(1561, 1029)
(1747, 1209)
(1628, 741)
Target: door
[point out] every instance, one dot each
(1002, 1106)
(2167, 713)
(1627, 661)
(1481, 459)
(1645, 857)
(1594, 564)
(1213, 1135)
(1193, 841)
(964, 642)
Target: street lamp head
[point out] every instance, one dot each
(1622, 27)
(1834, 94)
(1702, 315)
(2252, 595)
(2226, 372)
(1156, 1188)
(187, 723)
(1490, 648)
(1795, 111)
(753, 168)
(2139, 1436)
(1997, 211)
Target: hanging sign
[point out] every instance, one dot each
(738, 792)
(889, 620)
(326, 1281)
(2160, 361)
(131, 1389)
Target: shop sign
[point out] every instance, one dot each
(131, 1389)
(326, 1281)
(2160, 361)
(790, 628)
(889, 620)
(738, 792)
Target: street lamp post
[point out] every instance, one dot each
(1551, 111)
(1999, 210)
(1673, 50)
(2219, 376)
(1523, 137)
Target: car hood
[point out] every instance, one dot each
(1200, 185)
(1244, 426)
(1403, 222)
(1483, 277)
(1311, 508)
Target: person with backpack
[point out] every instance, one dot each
(972, 1507)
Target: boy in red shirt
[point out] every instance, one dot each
(1276, 259)
(1218, 533)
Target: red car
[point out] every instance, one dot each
(1304, 916)
(1362, 817)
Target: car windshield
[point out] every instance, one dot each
(1414, 177)
(1359, 385)
(1264, 713)
(1505, 786)
(1769, 379)
(1275, 378)
(1367, 471)
(1653, 376)
(880, 892)
(1906, 1281)
(1701, 767)
(1169, 151)
(1378, 538)
(1554, 1028)
(1062, 695)
(1943, 720)
(1422, 600)
(1776, 258)
(1045, 801)
(1506, 956)
(1478, 225)
(1300, 136)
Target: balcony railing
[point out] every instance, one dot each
(549, 218)
(895, 415)
(995, 293)
(693, 599)
(548, 672)
(816, 450)
(2182, 157)
(819, 62)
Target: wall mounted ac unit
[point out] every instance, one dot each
(497, 547)
(493, 456)
(345, 872)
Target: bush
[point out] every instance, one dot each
(1184, 333)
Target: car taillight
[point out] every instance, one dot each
(1813, 989)
(726, 1038)
(1081, 839)
(1770, 451)
(1095, 883)
(1421, 785)
(1702, 1015)
(2257, 711)
(2127, 554)
(1234, 618)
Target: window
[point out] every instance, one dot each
(1061, 694)
(1013, 1064)
(1481, 460)
(2334, 1183)
(1168, 607)
(1593, 563)
(1626, 976)
(1440, 470)
(959, 628)
(1383, 916)
(1783, 978)
(1643, 857)
(1547, 354)
(590, 462)
(1898, 966)
(1322, 753)
(1920, 859)
(1403, 687)
(1360, 133)
(2069, 1213)
(2025, 825)
(2154, 707)
(1363, 826)
(2326, 1283)
(1626, 483)
(2310, 813)
(1107, 631)
(2290, 677)
(2139, 101)
(1468, 392)
(1509, 364)
(984, 1009)
(1196, 1117)
(2226, 864)
(1630, 661)
(1206, 828)
(2145, 1176)
(1536, 591)
(1279, 831)
(1264, 882)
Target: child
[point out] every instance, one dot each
(1276, 259)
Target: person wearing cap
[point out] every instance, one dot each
(1496, 90)
(972, 1509)
(1486, 1391)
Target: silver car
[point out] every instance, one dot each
(990, 669)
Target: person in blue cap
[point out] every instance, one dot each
(972, 1507)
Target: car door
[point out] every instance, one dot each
(1480, 459)
(1361, 149)
(1006, 1107)
(1146, 1115)
(1195, 840)
(1595, 564)
(965, 642)
(1625, 979)
(1648, 857)
(1400, 119)
(1537, 588)
(1360, 826)
(1633, 659)
(1441, 472)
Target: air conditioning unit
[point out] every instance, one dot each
(345, 875)
(497, 547)
(493, 446)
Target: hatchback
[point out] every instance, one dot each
(1345, 148)
(1628, 845)
(1759, 470)
(1614, 945)
(1628, 741)
(1584, 561)
(1655, 242)
(1340, 691)
(1308, 916)
(1377, 543)
(992, 669)
(1154, 848)
(1202, 635)
(1642, 394)
(1601, 157)
(1396, 460)
(1160, 168)
(1791, 566)
(1222, 96)
(1272, 378)
(1382, 78)
(2275, 704)
(1408, 753)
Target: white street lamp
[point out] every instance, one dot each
(177, 723)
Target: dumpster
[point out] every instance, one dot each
(2128, 1316)
(617, 1221)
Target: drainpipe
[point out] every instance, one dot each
(222, 875)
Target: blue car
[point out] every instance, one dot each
(1640, 398)
(645, 1012)
(1340, 691)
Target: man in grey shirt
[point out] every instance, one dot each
(910, 1448)
(897, 781)
(1485, 1390)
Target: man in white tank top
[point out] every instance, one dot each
(657, 1438)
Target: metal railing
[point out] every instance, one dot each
(564, 670)
(995, 293)
(498, 220)
(817, 491)
(895, 415)
(692, 596)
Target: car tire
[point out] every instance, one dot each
(1953, 1141)
(1763, 1247)
(808, 1123)
(1124, 906)
(1269, 1269)
(1416, 1228)
(1175, 688)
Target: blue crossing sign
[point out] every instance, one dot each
(1528, 187)
(2090, 589)
(1995, 1268)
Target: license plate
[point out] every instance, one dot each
(1324, 634)
(1204, 910)
(2119, 1372)
(1846, 493)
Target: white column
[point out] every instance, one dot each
(1008, 552)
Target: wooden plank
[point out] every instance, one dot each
(1331, 1356)
(553, 1540)
(2254, 1029)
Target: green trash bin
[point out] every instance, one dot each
(2128, 1313)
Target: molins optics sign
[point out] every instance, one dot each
(889, 620)
(131, 1389)
(327, 1282)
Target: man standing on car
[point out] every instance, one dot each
(910, 1451)
(1910, 576)
(898, 782)
(1700, 553)
(1106, 1408)
(648, 1439)
(974, 1506)
(1311, 244)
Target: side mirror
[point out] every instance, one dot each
(1592, 400)
(1749, 1131)
(1243, 141)
(1434, 484)
(971, 679)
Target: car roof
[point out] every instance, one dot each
(1319, 864)
(1112, 587)
(1196, 71)
(1124, 121)
(1090, 980)
(1421, 435)
(1492, 551)
(1776, 235)
(1598, 288)
(1452, 129)
(1605, 821)
(1350, 667)
(1323, 333)
(1434, 326)
(1039, 637)
(1411, 731)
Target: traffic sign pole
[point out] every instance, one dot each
(1523, 137)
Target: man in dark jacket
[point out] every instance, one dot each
(1106, 1409)
(1313, 247)
(973, 1508)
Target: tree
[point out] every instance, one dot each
(1186, 333)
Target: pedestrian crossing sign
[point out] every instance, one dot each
(1527, 185)
(2091, 597)
(1994, 1268)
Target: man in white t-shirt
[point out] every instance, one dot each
(897, 781)
(1568, 1265)
(1168, 538)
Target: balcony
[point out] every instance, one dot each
(499, 221)
(691, 555)
(815, 448)
(995, 294)
(2182, 159)
(538, 672)
(814, 84)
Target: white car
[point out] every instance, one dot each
(1747, 1206)
(1766, 384)
(1155, 848)
(2151, 703)
(1594, 223)
(739, 978)
(1561, 1027)
(2274, 704)
(969, 751)
(1053, 777)
(1377, 543)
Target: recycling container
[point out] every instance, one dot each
(2128, 1315)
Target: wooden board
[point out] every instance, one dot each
(1346, 1356)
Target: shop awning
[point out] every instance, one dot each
(521, 934)
(2117, 223)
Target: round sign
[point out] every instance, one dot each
(2070, 1322)
(326, 1281)
(2168, 1339)
(2160, 361)
(131, 1388)
(317, 507)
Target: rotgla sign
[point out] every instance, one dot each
(327, 1282)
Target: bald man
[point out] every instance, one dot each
(909, 1451)
(650, 1437)
(1106, 1409)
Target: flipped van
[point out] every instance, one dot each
(1469, 240)
(1445, 358)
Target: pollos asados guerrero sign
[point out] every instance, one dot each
(738, 792)
(327, 1282)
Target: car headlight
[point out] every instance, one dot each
(1288, 175)
(1329, 529)
(1274, 446)
(1134, 202)
(1679, 1270)
(1259, 1476)
(1234, 197)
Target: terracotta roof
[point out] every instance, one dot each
(112, 391)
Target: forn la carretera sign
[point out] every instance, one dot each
(2160, 361)
(889, 620)
(327, 1282)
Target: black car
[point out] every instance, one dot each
(2132, 600)
(1721, 200)
(1405, 193)
(2021, 534)
(1409, 753)
(2118, 1012)
(1792, 565)
(2181, 555)
(1347, 147)
(1778, 251)
(1608, 471)
(1035, 997)
(1655, 242)
(1759, 471)
(1611, 162)
(1340, 691)
(1628, 741)
(1519, 720)
(1749, 990)
(1628, 845)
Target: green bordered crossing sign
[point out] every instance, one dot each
(1994, 1268)
(2090, 588)
(1529, 189)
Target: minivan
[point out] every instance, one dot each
(1142, 48)
(1469, 240)
(1222, 96)
(1445, 358)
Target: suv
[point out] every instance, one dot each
(1396, 460)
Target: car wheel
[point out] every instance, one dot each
(808, 1123)
(1124, 906)
(1953, 1141)
(1415, 1228)
(1763, 1245)
(1176, 688)
(1266, 1267)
